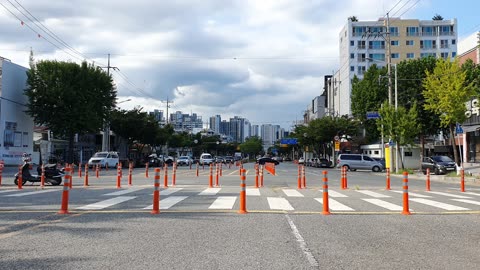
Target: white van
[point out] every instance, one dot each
(206, 159)
(104, 159)
(355, 162)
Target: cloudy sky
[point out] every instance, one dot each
(259, 59)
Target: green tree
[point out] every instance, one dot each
(437, 18)
(69, 98)
(399, 124)
(446, 93)
(252, 146)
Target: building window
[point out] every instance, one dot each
(454, 54)
(453, 41)
(376, 152)
(428, 44)
(352, 68)
(444, 43)
(361, 70)
(361, 57)
(394, 31)
(395, 55)
(376, 44)
(410, 55)
(412, 31)
(410, 42)
(422, 55)
(377, 56)
(361, 44)
(352, 55)
(408, 154)
(394, 42)
(444, 55)
(352, 43)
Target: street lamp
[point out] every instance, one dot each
(106, 132)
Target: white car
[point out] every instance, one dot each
(184, 160)
(301, 160)
(206, 159)
(104, 159)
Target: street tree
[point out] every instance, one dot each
(69, 98)
(400, 125)
(446, 93)
(252, 146)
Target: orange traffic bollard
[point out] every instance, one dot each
(221, 169)
(156, 192)
(256, 175)
(119, 175)
(174, 174)
(299, 178)
(427, 184)
(304, 179)
(146, 170)
(406, 209)
(80, 170)
(66, 187)
(42, 177)
(388, 179)
(196, 173)
(130, 171)
(71, 174)
(97, 171)
(261, 176)
(20, 178)
(462, 180)
(345, 178)
(326, 208)
(243, 193)
(217, 173)
(210, 178)
(165, 179)
(85, 181)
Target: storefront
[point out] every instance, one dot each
(471, 131)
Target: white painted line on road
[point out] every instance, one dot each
(276, 203)
(384, 204)
(223, 202)
(335, 194)
(123, 192)
(444, 206)
(449, 195)
(335, 205)
(235, 172)
(210, 191)
(472, 193)
(373, 194)
(253, 192)
(168, 202)
(31, 193)
(106, 203)
(467, 201)
(301, 242)
(169, 191)
(413, 194)
(292, 193)
(8, 190)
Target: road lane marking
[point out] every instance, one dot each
(123, 192)
(31, 193)
(444, 206)
(277, 203)
(449, 195)
(335, 205)
(412, 194)
(335, 194)
(472, 193)
(292, 193)
(301, 242)
(223, 202)
(106, 203)
(209, 191)
(9, 190)
(168, 202)
(253, 192)
(373, 194)
(467, 201)
(169, 191)
(384, 204)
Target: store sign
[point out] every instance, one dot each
(473, 108)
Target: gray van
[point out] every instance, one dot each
(355, 162)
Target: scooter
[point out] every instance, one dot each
(53, 175)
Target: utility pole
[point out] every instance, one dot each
(168, 106)
(389, 61)
(106, 125)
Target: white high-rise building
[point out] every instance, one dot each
(364, 43)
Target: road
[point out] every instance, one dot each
(199, 228)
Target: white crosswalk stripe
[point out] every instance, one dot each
(335, 205)
(277, 203)
(8, 190)
(253, 192)
(31, 193)
(449, 195)
(123, 192)
(209, 191)
(467, 201)
(472, 193)
(384, 204)
(168, 191)
(413, 194)
(373, 194)
(292, 193)
(223, 202)
(106, 203)
(168, 202)
(440, 205)
(335, 194)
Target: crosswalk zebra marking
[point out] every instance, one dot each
(467, 201)
(373, 194)
(335, 205)
(449, 195)
(441, 205)
(412, 194)
(335, 194)
(277, 203)
(472, 193)
(292, 193)
(168, 202)
(209, 191)
(106, 203)
(9, 190)
(253, 192)
(123, 192)
(384, 204)
(223, 202)
(31, 193)
(169, 191)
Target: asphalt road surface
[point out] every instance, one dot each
(199, 228)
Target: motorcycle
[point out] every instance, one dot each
(53, 175)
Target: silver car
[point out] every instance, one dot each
(355, 162)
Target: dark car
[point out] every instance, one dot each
(324, 163)
(438, 164)
(228, 159)
(264, 160)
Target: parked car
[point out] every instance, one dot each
(219, 159)
(206, 159)
(438, 165)
(381, 160)
(184, 160)
(324, 163)
(301, 160)
(355, 162)
(104, 159)
(155, 161)
(263, 160)
(228, 159)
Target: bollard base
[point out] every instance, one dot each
(242, 212)
(326, 213)
(407, 213)
(63, 212)
(155, 212)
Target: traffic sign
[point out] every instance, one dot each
(459, 129)
(337, 146)
(289, 141)
(373, 115)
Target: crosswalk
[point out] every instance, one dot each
(188, 198)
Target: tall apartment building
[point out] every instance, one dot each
(254, 132)
(215, 123)
(185, 122)
(364, 43)
(271, 134)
